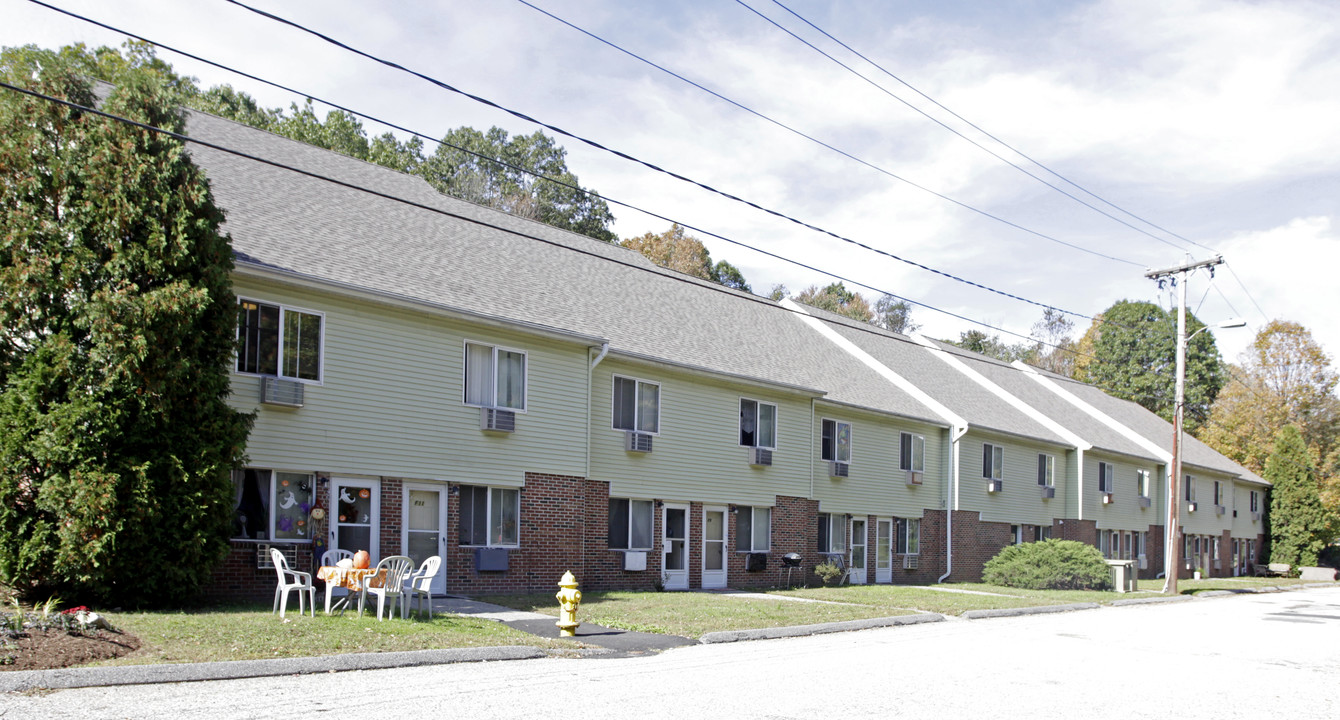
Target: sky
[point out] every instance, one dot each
(1212, 123)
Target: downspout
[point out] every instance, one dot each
(813, 408)
(951, 499)
(604, 350)
(1079, 482)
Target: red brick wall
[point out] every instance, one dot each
(1153, 553)
(975, 542)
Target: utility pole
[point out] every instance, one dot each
(1172, 550)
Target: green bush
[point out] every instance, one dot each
(828, 572)
(1049, 565)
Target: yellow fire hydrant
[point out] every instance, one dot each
(569, 597)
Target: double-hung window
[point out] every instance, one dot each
(911, 452)
(909, 536)
(836, 441)
(630, 524)
(271, 505)
(1046, 470)
(1189, 489)
(993, 461)
(279, 341)
(637, 405)
(1106, 477)
(758, 424)
(1142, 482)
(753, 528)
(1256, 502)
(1139, 539)
(832, 533)
(1218, 493)
(495, 377)
(489, 516)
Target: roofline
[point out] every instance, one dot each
(248, 269)
(933, 422)
(700, 370)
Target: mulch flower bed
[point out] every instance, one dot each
(56, 648)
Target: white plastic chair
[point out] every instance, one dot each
(302, 582)
(390, 576)
(331, 558)
(420, 585)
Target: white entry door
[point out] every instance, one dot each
(423, 533)
(675, 546)
(354, 517)
(714, 547)
(858, 542)
(884, 550)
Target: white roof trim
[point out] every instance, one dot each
(869, 361)
(1001, 393)
(1095, 413)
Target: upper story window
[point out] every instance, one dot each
(637, 405)
(489, 516)
(1106, 477)
(758, 424)
(832, 533)
(753, 528)
(277, 340)
(630, 524)
(1189, 489)
(1218, 493)
(836, 442)
(1142, 482)
(270, 505)
(1256, 502)
(495, 377)
(1046, 470)
(911, 452)
(993, 461)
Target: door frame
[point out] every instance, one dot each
(673, 582)
(440, 580)
(717, 578)
(374, 486)
(885, 575)
(857, 575)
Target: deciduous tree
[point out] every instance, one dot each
(836, 298)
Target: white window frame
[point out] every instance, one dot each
(651, 526)
(1189, 489)
(495, 349)
(758, 418)
(279, 358)
(916, 448)
(488, 517)
(1218, 493)
(837, 425)
(996, 470)
(1046, 470)
(753, 512)
(1107, 477)
(907, 536)
(271, 520)
(840, 534)
(637, 404)
(1142, 482)
(1256, 501)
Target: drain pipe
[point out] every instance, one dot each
(951, 499)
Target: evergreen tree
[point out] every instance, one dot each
(1299, 526)
(117, 323)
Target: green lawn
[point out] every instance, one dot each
(909, 597)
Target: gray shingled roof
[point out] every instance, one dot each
(307, 226)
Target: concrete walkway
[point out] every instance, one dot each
(622, 643)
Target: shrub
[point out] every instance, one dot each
(828, 572)
(1049, 565)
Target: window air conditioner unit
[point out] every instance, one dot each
(1256, 517)
(1143, 562)
(635, 561)
(496, 420)
(1219, 509)
(995, 486)
(760, 456)
(913, 477)
(284, 393)
(910, 562)
(265, 562)
(489, 559)
(634, 441)
(1144, 501)
(1107, 498)
(1189, 563)
(1191, 507)
(1048, 492)
(756, 562)
(838, 469)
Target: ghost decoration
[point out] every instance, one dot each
(345, 496)
(288, 501)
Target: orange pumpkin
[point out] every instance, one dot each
(361, 559)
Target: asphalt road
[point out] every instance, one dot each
(1250, 656)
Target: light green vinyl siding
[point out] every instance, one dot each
(1020, 501)
(696, 456)
(1204, 521)
(391, 400)
(876, 485)
(1243, 527)
(1124, 512)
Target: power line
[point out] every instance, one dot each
(937, 121)
(1243, 285)
(590, 193)
(821, 143)
(969, 123)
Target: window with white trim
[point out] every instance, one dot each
(278, 340)
(753, 528)
(271, 504)
(495, 377)
(1046, 470)
(1017, 534)
(1106, 477)
(489, 516)
(1256, 502)
(1218, 493)
(911, 452)
(909, 536)
(993, 461)
(832, 533)
(630, 524)
(1142, 482)
(835, 444)
(758, 424)
(1189, 489)
(1139, 539)
(637, 405)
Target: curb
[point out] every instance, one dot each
(1151, 600)
(1042, 610)
(726, 636)
(236, 669)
